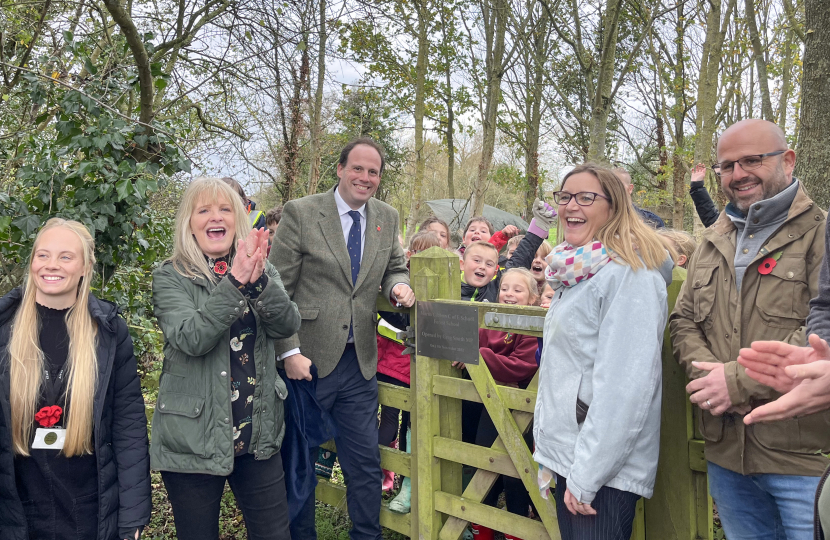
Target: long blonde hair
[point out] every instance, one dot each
(632, 241)
(27, 360)
(187, 258)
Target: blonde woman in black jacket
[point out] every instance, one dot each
(74, 461)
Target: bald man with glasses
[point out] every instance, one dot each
(752, 279)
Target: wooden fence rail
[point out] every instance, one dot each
(679, 510)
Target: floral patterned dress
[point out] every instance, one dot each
(243, 368)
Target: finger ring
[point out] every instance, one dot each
(248, 254)
(708, 404)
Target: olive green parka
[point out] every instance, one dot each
(193, 425)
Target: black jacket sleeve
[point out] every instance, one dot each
(818, 321)
(130, 445)
(706, 209)
(525, 252)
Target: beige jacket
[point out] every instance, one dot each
(712, 321)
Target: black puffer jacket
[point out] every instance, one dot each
(121, 445)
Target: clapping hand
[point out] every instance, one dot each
(802, 374)
(249, 262)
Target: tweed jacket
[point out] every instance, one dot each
(310, 253)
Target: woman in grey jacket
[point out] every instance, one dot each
(597, 420)
(219, 415)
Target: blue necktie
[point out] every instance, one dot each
(353, 245)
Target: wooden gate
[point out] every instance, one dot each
(680, 508)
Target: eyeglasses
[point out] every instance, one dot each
(583, 198)
(747, 163)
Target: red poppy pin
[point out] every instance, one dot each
(769, 263)
(48, 416)
(220, 267)
(378, 227)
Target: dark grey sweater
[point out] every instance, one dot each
(818, 321)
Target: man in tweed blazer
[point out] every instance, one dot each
(334, 279)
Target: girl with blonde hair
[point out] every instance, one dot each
(220, 416)
(73, 426)
(597, 416)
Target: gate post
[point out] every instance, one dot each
(435, 274)
(681, 508)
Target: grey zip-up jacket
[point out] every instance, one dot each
(602, 345)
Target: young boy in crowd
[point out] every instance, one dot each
(512, 244)
(479, 229)
(272, 221)
(537, 267)
(480, 262)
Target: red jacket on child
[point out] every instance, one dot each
(510, 357)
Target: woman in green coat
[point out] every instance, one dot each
(219, 414)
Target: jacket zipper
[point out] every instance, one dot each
(816, 521)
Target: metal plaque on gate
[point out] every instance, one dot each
(447, 332)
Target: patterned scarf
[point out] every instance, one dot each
(570, 265)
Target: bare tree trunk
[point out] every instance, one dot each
(813, 136)
(139, 52)
(495, 30)
(317, 106)
(786, 77)
(707, 90)
(601, 106)
(420, 111)
(450, 112)
(760, 62)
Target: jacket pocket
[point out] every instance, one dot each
(182, 423)
(784, 295)
(805, 435)
(711, 427)
(281, 392)
(704, 287)
(309, 314)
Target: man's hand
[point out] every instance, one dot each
(698, 173)
(810, 394)
(403, 295)
(575, 507)
(510, 231)
(766, 361)
(298, 367)
(710, 392)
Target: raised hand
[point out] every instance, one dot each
(510, 231)
(544, 214)
(698, 173)
(261, 254)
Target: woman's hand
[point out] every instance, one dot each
(249, 254)
(575, 507)
(262, 250)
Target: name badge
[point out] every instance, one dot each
(49, 439)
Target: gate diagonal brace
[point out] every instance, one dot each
(510, 438)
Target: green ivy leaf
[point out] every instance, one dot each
(123, 188)
(28, 224)
(5, 221)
